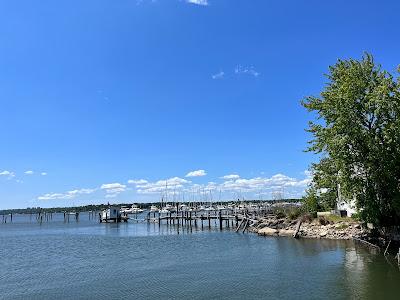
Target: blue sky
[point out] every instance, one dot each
(103, 100)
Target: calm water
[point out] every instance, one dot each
(87, 260)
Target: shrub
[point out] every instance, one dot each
(323, 221)
(294, 213)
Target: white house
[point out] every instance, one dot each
(348, 205)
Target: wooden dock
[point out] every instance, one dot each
(199, 218)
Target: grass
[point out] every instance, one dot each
(342, 226)
(337, 219)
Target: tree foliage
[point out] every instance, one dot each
(357, 135)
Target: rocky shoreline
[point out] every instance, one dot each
(310, 228)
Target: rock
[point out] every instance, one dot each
(268, 231)
(262, 225)
(323, 233)
(286, 232)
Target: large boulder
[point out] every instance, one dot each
(268, 231)
(286, 232)
(323, 233)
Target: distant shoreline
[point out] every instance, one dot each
(146, 205)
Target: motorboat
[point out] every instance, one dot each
(154, 208)
(134, 209)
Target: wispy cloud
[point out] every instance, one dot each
(137, 182)
(246, 70)
(43, 173)
(29, 172)
(160, 186)
(275, 182)
(218, 75)
(198, 2)
(67, 195)
(113, 189)
(197, 173)
(231, 185)
(7, 174)
(230, 177)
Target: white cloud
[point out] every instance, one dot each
(231, 186)
(137, 181)
(43, 173)
(30, 172)
(197, 173)
(218, 75)
(113, 188)
(67, 195)
(9, 174)
(230, 177)
(198, 2)
(246, 70)
(278, 181)
(160, 186)
(308, 173)
(232, 183)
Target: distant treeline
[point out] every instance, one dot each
(99, 207)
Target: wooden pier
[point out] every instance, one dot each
(228, 218)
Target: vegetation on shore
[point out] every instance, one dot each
(356, 135)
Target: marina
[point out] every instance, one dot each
(191, 214)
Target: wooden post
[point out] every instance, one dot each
(237, 229)
(296, 232)
(220, 220)
(398, 257)
(245, 225)
(387, 248)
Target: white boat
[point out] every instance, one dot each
(164, 211)
(134, 209)
(154, 208)
(169, 207)
(183, 207)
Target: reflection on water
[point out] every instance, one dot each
(140, 260)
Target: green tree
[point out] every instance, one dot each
(310, 200)
(357, 134)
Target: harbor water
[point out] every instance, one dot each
(140, 260)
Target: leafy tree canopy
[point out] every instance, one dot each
(357, 134)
